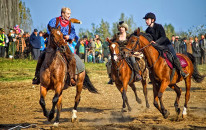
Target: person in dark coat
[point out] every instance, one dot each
(159, 37)
(196, 50)
(106, 52)
(176, 45)
(202, 44)
(36, 44)
(183, 46)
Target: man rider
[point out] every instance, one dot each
(159, 37)
(67, 28)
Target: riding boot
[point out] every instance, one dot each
(179, 67)
(36, 79)
(71, 67)
(136, 69)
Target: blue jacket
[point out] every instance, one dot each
(35, 41)
(64, 30)
(42, 44)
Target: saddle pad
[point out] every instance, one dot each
(183, 61)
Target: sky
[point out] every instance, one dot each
(182, 14)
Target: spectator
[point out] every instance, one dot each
(106, 52)
(20, 46)
(36, 44)
(28, 48)
(81, 49)
(2, 42)
(189, 45)
(98, 51)
(202, 44)
(92, 48)
(177, 43)
(183, 46)
(42, 41)
(173, 41)
(12, 45)
(6, 45)
(196, 50)
(73, 44)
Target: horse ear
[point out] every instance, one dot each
(109, 41)
(138, 32)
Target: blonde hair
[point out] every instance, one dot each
(63, 10)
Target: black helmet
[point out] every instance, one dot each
(150, 15)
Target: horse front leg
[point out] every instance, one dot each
(59, 107)
(176, 104)
(43, 92)
(77, 97)
(163, 86)
(135, 93)
(144, 85)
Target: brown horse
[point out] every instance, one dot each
(122, 75)
(53, 75)
(160, 73)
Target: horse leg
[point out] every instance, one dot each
(58, 93)
(59, 107)
(125, 100)
(163, 86)
(187, 95)
(144, 84)
(79, 87)
(135, 93)
(176, 104)
(43, 92)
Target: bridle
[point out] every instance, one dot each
(141, 49)
(61, 48)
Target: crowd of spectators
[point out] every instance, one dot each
(192, 45)
(20, 44)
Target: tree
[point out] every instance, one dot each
(25, 17)
(169, 30)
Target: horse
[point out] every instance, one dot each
(122, 76)
(53, 75)
(160, 73)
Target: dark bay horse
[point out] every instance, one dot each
(53, 75)
(122, 75)
(160, 73)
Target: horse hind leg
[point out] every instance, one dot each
(187, 96)
(77, 97)
(43, 92)
(176, 104)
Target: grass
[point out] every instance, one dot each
(24, 69)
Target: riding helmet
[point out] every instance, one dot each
(150, 15)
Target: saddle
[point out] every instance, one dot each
(167, 55)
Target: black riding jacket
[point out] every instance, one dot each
(158, 34)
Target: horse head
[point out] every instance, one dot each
(114, 50)
(56, 37)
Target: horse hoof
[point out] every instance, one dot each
(184, 115)
(56, 124)
(51, 116)
(166, 114)
(139, 101)
(74, 120)
(124, 109)
(129, 108)
(147, 105)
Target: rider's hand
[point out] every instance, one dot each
(153, 42)
(66, 37)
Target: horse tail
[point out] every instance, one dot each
(87, 84)
(196, 75)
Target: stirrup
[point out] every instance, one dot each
(184, 75)
(138, 77)
(72, 82)
(110, 82)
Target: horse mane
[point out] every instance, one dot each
(146, 35)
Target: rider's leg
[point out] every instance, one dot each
(108, 65)
(136, 68)
(177, 62)
(36, 79)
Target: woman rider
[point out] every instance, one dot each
(121, 38)
(159, 37)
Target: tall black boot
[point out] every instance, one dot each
(136, 69)
(36, 79)
(110, 80)
(179, 67)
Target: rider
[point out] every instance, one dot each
(159, 37)
(121, 38)
(67, 28)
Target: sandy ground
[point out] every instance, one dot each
(19, 105)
